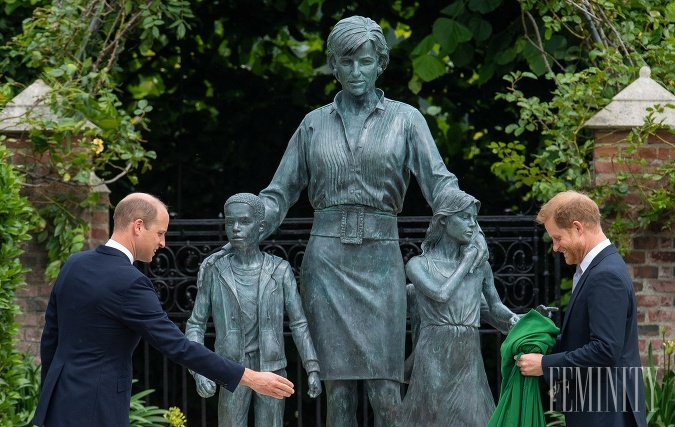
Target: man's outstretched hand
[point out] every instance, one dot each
(267, 383)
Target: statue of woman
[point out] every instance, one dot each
(448, 384)
(354, 157)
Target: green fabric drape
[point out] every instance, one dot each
(519, 398)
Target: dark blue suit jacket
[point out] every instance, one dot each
(597, 352)
(100, 307)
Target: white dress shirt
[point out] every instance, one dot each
(117, 245)
(587, 260)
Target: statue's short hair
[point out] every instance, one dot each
(250, 199)
(350, 33)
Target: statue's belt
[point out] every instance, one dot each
(352, 224)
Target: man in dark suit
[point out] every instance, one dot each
(100, 307)
(596, 361)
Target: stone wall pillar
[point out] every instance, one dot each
(33, 297)
(651, 260)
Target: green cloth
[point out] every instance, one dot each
(519, 398)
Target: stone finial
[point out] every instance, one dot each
(628, 108)
(645, 72)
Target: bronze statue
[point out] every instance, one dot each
(246, 292)
(355, 157)
(448, 385)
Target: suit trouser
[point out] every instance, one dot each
(233, 408)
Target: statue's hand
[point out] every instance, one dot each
(469, 254)
(205, 387)
(314, 385)
(224, 250)
(513, 320)
(479, 243)
(546, 311)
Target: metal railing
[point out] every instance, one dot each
(525, 272)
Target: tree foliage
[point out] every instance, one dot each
(505, 86)
(548, 149)
(75, 46)
(214, 90)
(228, 98)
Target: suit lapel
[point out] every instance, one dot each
(582, 281)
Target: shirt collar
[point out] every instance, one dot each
(592, 254)
(117, 245)
(337, 101)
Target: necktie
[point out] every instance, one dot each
(577, 276)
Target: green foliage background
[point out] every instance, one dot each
(17, 218)
(196, 100)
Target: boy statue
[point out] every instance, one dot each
(246, 292)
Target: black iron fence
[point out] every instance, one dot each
(526, 275)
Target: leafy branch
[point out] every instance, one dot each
(552, 151)
(87, 131)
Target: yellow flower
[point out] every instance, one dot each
(670, 347)
(175, 417)
(97, 145)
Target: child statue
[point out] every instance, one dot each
(246, 292)
(448, 384)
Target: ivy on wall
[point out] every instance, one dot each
(17, 220)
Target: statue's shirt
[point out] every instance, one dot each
(248, 283)
(354, 294)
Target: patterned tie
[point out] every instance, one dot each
(577, 276)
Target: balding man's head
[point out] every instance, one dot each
(135, 206)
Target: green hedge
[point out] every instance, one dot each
(18, 375)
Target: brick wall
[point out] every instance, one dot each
(33, 297)
(651, 260)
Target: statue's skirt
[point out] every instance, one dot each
(354, 298)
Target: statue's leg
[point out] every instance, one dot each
(342, 400)
(233, 407)
(268, 411)
(385, 399)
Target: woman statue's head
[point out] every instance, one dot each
(351, 33)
